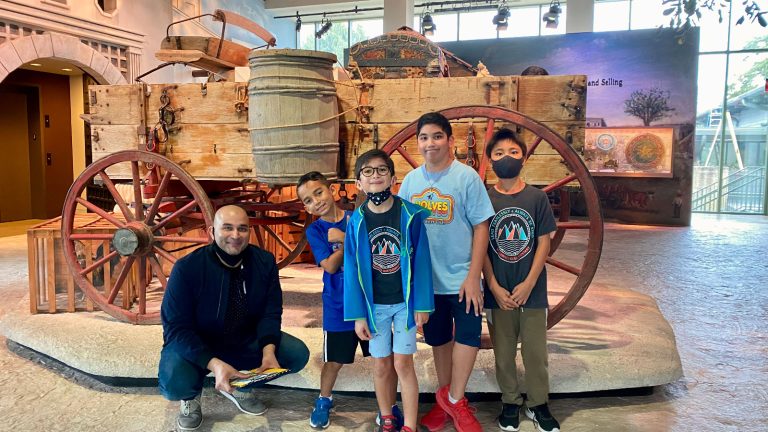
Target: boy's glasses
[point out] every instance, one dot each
(381, 170)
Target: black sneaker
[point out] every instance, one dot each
(509, 419)
(190, 414)
(542, 418)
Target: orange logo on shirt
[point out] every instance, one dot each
(440, 205)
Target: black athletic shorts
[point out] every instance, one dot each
(340, 347)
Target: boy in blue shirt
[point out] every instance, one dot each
(388, 283)
(516, 291)
(326, 238)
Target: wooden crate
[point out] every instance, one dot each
(51, 288)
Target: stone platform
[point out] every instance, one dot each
(614, 339)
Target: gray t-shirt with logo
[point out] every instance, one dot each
(514, 236)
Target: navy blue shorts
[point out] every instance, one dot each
(439, 330)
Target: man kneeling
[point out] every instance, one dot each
(221, 313)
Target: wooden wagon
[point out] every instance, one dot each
(182, 150)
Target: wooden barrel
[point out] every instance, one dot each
(292, 111)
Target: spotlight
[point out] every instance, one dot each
(502, 17)
(326, 25)
(428, 26)
(298, 21)
(551, 18)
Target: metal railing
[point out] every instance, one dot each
(743, 191)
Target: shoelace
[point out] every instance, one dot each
(464, 411)
(185, 407)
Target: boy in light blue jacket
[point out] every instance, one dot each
(388, 283)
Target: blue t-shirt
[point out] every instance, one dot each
(333, 284)
(458, 201)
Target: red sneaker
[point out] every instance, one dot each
(406, 429)
(436, 419)
(464, 419)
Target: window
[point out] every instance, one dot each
(447, 27)
(335, 40)
(365, 29)
(611, 16)
(107, 6)
(647, 14)
(306, 37)
(479, 25)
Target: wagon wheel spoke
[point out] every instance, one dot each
(407, 156)
(120, 279)
(143, 283)
(98, 263)
(116, 196)
(179, 239)
(560, 183)
(158, 198)
(563, 266)
(137, 190)
(574, 225)
(90, 236)
(165, 254)
(259, 236)
(158, 270)
(186, 209)
(533, 146)
(277, 238)
(482, 167)
(111, 218)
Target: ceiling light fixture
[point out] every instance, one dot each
(298, 21)
(502, 17)
(551, 18)
(428, 26)
(325, 25)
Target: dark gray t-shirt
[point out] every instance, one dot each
(384, 237)
(514, 231)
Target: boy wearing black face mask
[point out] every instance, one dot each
(516, 283)
(388, 284)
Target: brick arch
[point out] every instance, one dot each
(59, 46)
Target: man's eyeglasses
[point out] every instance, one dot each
(381, 170)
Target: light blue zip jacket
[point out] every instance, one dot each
(415, 266)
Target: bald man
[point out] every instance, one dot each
(221, 313)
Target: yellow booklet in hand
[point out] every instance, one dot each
(255, 377)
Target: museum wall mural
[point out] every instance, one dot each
(641, 109)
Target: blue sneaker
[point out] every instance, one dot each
(321, 414)
(396, 413)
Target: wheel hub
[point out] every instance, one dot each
(133, 240)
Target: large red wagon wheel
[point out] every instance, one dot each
(139, 246)
(578, 172)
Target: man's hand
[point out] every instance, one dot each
(335, 235)
(502, 296)
(268, 359)
(223, 373)
(421, 318)
(361, 328)
(470, 291)
(521, 293)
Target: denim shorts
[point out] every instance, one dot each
(450, 321)
(385, 317)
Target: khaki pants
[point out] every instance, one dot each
(531, 326)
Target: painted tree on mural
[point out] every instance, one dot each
(648, 105)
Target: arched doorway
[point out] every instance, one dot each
(39, 116)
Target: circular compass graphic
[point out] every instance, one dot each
(605, 142)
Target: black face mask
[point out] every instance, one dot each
(379, 197)
(507, 167)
